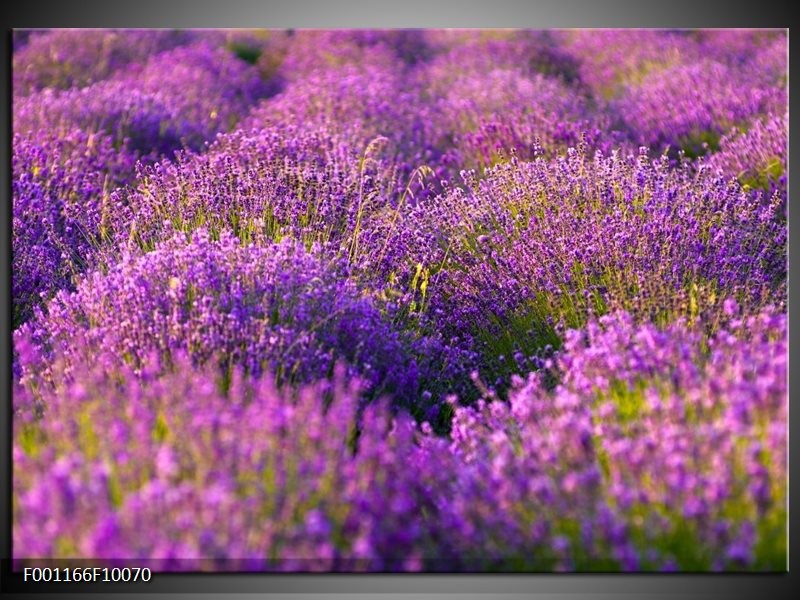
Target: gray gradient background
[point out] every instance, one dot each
(376, 13)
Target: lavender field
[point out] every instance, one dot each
(401, 300)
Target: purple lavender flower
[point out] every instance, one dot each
(178, 98)
(758, 156)
(62, 209)
(66, 58)
(692, 104)
(389, 300)
(274, 308)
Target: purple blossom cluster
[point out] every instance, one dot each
(609, 62)
(757, 156)
(277, 308)
(736, 46)
(315, 51)
(654, 453)
(357, 102)
(61, 184)
(682, 89)
(690, 105)
(539, 243)
(308, 183)
(531, 51)
(178, 98)
(477, 120)
(65, 58)
(401, 300)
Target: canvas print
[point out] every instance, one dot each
(400, 300)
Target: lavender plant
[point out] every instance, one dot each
(477, 120)
(287, 181)
(273, 308)
(544, 244)
(398, 300)
(609, 61)
(66, 58)
(62, 209)
(654, 453)
(691, 105)
(178, 98)
(756, 157)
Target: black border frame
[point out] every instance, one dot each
(362, 14)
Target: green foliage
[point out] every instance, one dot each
(246, 52)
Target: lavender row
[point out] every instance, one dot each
(73, 148)
(401, 300)
(656, 452)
